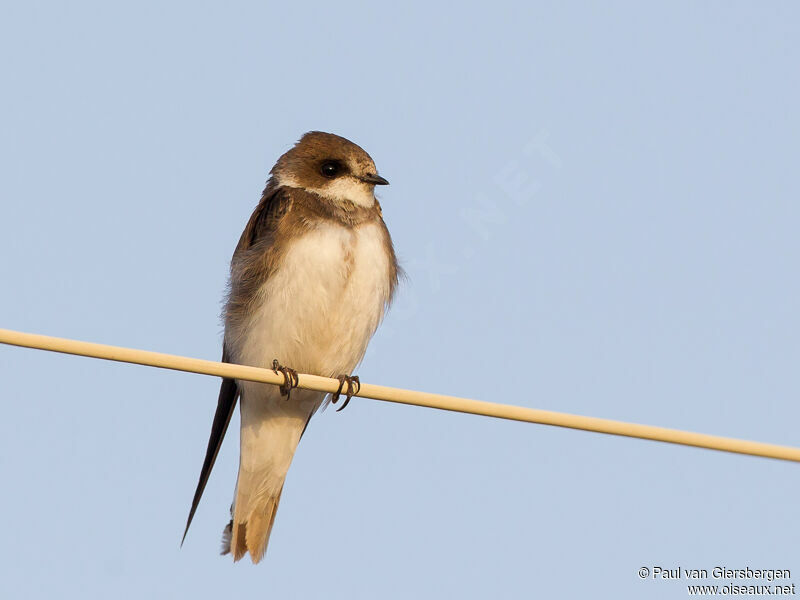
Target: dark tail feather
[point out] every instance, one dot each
(228, 393)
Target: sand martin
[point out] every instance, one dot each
(310, 280)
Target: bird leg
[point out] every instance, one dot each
(353, 387)
(290, 378)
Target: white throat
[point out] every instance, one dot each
(342, 189)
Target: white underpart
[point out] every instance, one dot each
(341, 189)
(317, 313)
(324, 302)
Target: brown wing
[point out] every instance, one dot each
(260, 228)
(265, 218)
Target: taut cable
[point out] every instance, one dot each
(388, 394)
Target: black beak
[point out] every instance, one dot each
(374, 179)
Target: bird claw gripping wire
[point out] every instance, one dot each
(290, 378)
(353, 387)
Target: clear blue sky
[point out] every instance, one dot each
(598, 209)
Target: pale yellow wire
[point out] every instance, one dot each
(388, 394)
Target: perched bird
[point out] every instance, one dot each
(310, 280)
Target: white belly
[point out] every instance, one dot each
(320, 308)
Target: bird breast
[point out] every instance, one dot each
(318, 310)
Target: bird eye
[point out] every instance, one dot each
(330, 168)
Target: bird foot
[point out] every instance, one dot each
(290, 378)
(353, 387)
